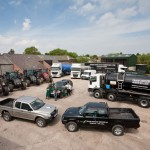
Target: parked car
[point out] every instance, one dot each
(67, 81)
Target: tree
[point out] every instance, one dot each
(73, 54)
(82, 59)
(144, 59)
(58, 51)
(32, 50)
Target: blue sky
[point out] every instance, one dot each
(82, 26)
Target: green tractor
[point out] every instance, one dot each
(14, 81)
(4, 89)
(31, 77)
(43, 75)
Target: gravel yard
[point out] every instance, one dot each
(25, 135)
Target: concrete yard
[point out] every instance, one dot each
(25, 135)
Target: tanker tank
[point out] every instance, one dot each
(129, 81)
(66, 69)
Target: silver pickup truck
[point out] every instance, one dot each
(27, 107)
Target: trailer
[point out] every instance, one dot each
(107, 67)
(121, 86)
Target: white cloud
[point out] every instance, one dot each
(87, 8)
(108, 20)
(144, 6)
(82, 7)
(7, 39)
(25, 42)
(26, 24)
(15, 2)
(127, 12)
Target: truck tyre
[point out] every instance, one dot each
(111, 97)
(38, 82)
(97, 94)
(28, 83)
(117, 130)
(11, 87)
(23, 86)
(5, 91)
(41, 122)
(7, 116)
(144, 103)
(71, 126)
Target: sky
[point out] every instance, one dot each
(95, 27)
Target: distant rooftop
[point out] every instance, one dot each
(117, 55)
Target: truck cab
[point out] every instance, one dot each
(77, 70)
(87, 73)
(56, 70)
(96, 82)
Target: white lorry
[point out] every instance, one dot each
(56, 70)
(77, 70)
(87, 73)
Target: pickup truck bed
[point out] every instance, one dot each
(7, 102)
(115, 113)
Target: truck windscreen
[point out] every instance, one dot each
(55, 68)
(75, 69)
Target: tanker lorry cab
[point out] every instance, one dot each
(87, 73)
(56, 70)
(77, 70)
(121, 86)
(59, 69)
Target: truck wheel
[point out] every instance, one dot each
(11, 87)
(111, 97)
(97, 94)
(38, 82)
(28, 83)
(23, 86)
(71, 126)
(118, 130)
(7, 116)
(5, 91)
(144, 103)
(41, 122)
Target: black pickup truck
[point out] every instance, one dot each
(99, 114)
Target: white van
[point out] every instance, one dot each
(87, 73)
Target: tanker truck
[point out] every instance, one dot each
(59, 69)
(121, 86)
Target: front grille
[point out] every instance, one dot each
(54, 72)
(75, 75)
(54, 112)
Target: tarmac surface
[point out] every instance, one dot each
(20, 134)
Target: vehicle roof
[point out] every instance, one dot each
(26, 99)
(89, 70)
(97, 105)
(98, 74)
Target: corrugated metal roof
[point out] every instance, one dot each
(117, 55)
